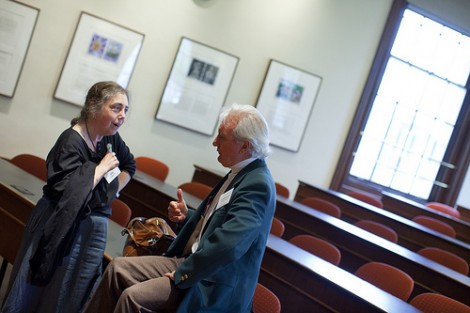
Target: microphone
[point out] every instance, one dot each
(109, 147)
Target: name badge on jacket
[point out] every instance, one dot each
(224, 199)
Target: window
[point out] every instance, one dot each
(411, 121)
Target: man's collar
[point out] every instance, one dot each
(240, 165)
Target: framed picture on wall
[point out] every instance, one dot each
(286, 101)
(100, 51)
(197, 87)
(17, 23)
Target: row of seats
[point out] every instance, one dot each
(314, 246)
(426, 221)
(36, 166)
(384, 276)
(375, 201)
(400, 284)
(376, 228)
(264, 300)
(381, 275)
(122, 214)
(160, 171)
(388, 233)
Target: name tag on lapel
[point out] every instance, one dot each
(224, 199)
(112, 174)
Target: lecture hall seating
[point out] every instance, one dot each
(32, 164)
(317, 246)
(409, 208)
(196, 189)
(153, 167)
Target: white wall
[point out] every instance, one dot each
(335, 39)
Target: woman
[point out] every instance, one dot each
(62, 249)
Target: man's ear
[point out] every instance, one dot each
(246, 147)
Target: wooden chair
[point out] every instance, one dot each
(364, 197)
(121, 212)
(196, 189)
(11, 233)
(318, 247)
(387, 278)
(277, 227)
(322, 205)
(265, 301)
(444, 208)
(429, 302)
(152, 167)
(378, 229)
(32, 164)
(282, 190)
(436, 225)
(445, 258)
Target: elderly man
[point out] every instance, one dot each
(213, 264)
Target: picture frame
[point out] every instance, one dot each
(197, 86)
(286, 101)
(100, 51)
(17, 24)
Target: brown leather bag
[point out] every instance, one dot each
(147, 236)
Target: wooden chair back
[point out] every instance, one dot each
(282, 190)
(199, 190)
(429, 302)
(152, 167)
(265, 301)
(446, 258)
(444, 208)
(387, 278)
(378, 229)
(277, 227)
(121, 212)
(364, 197)
(319, 247)
(322, 205)
(32, 164)
(436, 225)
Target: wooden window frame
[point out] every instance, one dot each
(458, 151)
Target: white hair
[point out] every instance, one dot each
(250, 126)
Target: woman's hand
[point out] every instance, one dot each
(109, 162)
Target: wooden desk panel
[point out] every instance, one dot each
(358, 246)
(206, 176)
(11, 233)
(210, 177)
(19, 190)
(464, 213)
(306, 283)
(20, 200)
(409, 209)
(116, 241)
(411, 235)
